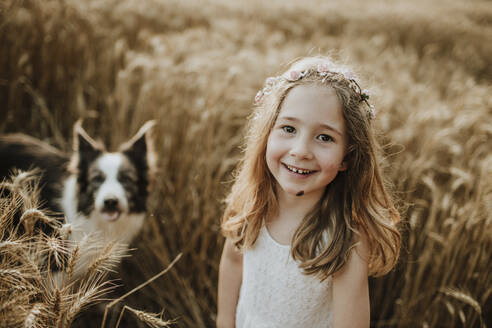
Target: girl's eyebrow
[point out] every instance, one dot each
(324, 126)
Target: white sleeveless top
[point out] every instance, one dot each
(275, 293)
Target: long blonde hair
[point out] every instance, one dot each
(356, 202)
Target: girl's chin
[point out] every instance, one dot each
(299, 192)
(294, 191)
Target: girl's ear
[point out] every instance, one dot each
(343, 166)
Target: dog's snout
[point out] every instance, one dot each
(111, 203)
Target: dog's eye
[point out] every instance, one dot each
(97, 179)
(126, 178)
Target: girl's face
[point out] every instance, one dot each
(307, 144)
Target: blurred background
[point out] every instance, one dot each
(195, 67)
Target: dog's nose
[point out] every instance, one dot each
(111, 203)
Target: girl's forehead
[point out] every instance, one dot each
(312, 102)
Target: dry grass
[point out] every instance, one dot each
(42, 280)
(196, 67)
(37, 289)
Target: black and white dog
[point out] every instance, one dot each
(97, 191)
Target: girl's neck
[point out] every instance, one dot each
(295, 207)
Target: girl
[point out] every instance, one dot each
(309, 216)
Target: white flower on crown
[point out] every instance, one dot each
(323, 68)
(258, 96)
(294, 76)
(371, 112)
(271, 80)
(349, 75)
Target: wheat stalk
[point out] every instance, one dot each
(152, 319)
(90, 292)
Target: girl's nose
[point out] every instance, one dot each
(301, 149)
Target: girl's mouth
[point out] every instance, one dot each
(297, 170)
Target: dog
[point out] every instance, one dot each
(97, 192)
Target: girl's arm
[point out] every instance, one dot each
(230, 277)
(351, 290)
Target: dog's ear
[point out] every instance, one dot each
(140, 147)
(82, 143)
(85, 149)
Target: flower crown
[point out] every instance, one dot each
(324, 71)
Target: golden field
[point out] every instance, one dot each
(195, 67)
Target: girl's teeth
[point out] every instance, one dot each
(293, 169)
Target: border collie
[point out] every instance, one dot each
(97, 191)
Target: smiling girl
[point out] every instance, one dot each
(309, 217)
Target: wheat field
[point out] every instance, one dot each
(195, 66)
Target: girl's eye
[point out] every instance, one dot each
(325, 138)
(289, 129)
